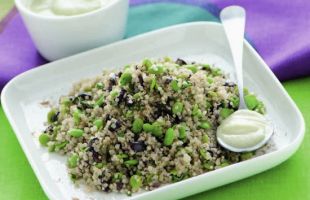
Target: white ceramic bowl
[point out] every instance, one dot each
(62, 36)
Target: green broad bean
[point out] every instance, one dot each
(100, 165)
(137, 125)
(205, 125)
(73, 161)
(99, 124)
(205, 138)
(251, 101)
(157, 129)
(174, 85)
(76, 132)
(148, 127)
(196, 111)
(182, 132)
(177, 108)
(61, 145)
(99, 85)
(246, 155)
(44, 139)
(51, 116)
(226, 112)
(125, 79)
(147, 63)
(193, 68)
(157, 70)
(135, 182)
(77, 117)
(169, 137)
(153, 84)
(100, 101)
(132, 162)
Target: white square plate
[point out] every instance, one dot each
(200, 41)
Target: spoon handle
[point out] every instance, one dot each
(233, 20)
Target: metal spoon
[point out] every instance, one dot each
(233, 20)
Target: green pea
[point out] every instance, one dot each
(125, 79)
(148, 127)
(98, 123)
(174, 85)
(169, 137)
(245, 91)
(153, 85)
(44, 139)
(205, 125)
(205, 138)
(131, 162)
(251, 101)
(61, 145)
(73, 161)
(157, 129)
(177, 108)
(51, 116)
(137, 125)
(100, 101)
(147, 63)
(193, 68)
(196, 111)
(99, 85)
(225, 112)
(135, 182)
(76, 132)
(182, 132)
(77, 117)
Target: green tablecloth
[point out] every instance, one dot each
(290, 180)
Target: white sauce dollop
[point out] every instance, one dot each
(244, 130)
(65, 7)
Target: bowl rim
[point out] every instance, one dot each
(24, 10)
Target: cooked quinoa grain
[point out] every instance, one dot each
(149, 124)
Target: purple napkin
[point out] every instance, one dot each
(279, 30)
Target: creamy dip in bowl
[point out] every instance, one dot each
(60, 28)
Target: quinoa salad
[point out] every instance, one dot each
(148, 124)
